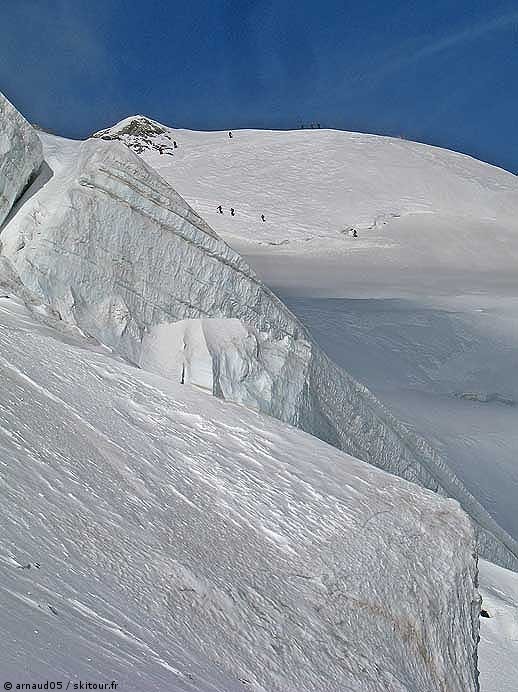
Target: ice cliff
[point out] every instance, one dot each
(111, 247)
(20, 155)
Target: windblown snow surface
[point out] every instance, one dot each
(175, 540)
(422, 305)
(167, 540)
(114, 249)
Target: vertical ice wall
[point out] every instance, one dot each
(21, 155)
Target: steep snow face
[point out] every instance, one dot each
(110, 246)
(20, 155)
(116, 250)
(421, 306)
(185, 543)
(118, 253)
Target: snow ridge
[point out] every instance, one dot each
(360, 181)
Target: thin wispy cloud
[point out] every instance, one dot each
(63, 52)
(410, 55)
(412, 66)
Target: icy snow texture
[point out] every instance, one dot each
(20, 155)
(112, 248)
(232, 360)
(180, 542)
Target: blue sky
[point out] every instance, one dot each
(443, 72)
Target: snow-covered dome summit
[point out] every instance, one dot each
(315, 185)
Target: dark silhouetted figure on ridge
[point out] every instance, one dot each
(220, 209)
(230, 135)
(262, 218)
(232, 211)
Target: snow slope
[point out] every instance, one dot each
(421, 307)
(498, 648)
(132, 506)
(312, 185)
(165, 539)
(113, 249)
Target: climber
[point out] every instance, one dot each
(220, 209)
(262, 218)
(230, 135)
(175, 145)
(232, 211)
(355, 233)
